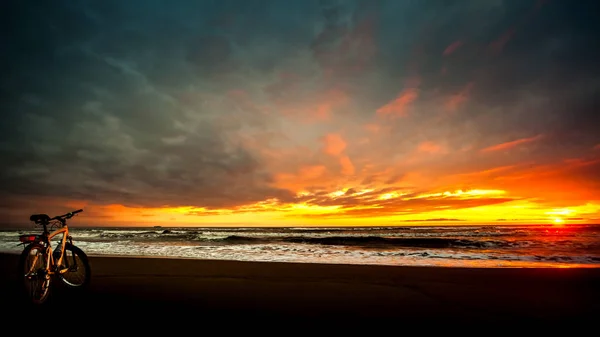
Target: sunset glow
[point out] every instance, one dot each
(348, 116)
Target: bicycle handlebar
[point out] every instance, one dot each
(67, 215)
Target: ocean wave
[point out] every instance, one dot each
(236, 239)
(371, 241)
(388, 240)
(415, 242)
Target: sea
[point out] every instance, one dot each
(485, 246)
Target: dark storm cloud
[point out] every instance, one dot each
(88, 116)
(149, 103)
(531, 68)
(551, 56)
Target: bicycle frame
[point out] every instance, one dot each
(46, 239)
(63, 242)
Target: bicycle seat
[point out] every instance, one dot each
(39, 218)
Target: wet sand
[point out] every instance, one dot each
(208, 291)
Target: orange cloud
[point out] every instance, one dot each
(511, 144)
(333, 144)
(568, 181)
(347, 166)
(597, 147)
(458, 99)
(311, 172)
(398, 106)
(452, 48)
(371, 127)
(433, 220)
(394, 202)
(306, 175)
(483, 175)
(430, 147)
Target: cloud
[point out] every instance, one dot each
(406, 208)
(452, 47)
(398, 106)
(226, 105)
(333, 144)
(396, 201)
(434, 220)
(459, 98)
(430, 147)
(347, 166)
(511, 144)
(497, 45)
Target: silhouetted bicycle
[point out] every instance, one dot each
(39, 263)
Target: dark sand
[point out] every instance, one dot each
(200, 292)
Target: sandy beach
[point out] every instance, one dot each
(321, 293)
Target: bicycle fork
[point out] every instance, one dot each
(61, 258)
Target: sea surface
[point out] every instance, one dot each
(452, 246)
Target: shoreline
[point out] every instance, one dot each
(329, 293)
(497, 264)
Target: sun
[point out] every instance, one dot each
(558, 220)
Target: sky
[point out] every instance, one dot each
(300, 112)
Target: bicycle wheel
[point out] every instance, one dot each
(75, 271)
(34, 279)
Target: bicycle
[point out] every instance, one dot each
(39, 263)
